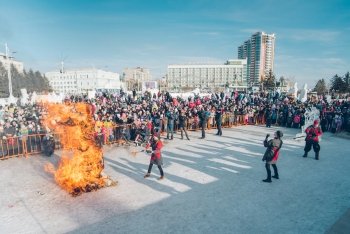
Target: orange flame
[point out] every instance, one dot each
(82, 161)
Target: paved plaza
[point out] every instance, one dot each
(211, 186)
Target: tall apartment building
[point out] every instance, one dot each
(134, 77)
(259, 51)
(233, 73)
(76, 81)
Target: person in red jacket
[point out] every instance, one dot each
(156, 158)
(313, 133)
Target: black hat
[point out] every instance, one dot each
(279, 134)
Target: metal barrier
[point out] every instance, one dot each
(115, 134)
(24, 145)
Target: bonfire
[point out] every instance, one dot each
(81, 166)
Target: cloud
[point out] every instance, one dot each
(207, 33)
(310, 69)
(251, 30)
(235, 16)
(195, 60)
(154, 47)
(310, 35)
(5, 30)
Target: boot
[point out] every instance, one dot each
(147, 175)
(317, 156)
(268, 179)
(160, 178)
(275, 171)
(305, 155)
(188, 138)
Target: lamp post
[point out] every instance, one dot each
(11, 98)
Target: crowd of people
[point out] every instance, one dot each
(135, 118)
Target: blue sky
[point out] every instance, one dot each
(313, 37)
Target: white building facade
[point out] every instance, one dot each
(9, 60)
(134, 77)
(232, 74)
(78, 81)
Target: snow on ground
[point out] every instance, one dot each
(211, 186)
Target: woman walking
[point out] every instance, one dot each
(156, 145)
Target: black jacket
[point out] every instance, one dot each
(182, 121)
(218, 116)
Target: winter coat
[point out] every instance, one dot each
(218, 117)
(171, 118)
(273, 147)
(156, 157)
(312, 133)
(203, 115)
(182, 121)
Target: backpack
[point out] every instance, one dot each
(207, 114)
(297, 119)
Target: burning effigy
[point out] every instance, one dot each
(81, 166)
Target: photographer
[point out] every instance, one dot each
(271, 154)
(313, 133)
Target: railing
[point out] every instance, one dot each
(24, 145)
(114, 135)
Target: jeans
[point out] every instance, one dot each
(219, 128)
(159, 167)
(170, 130)
(203, 125)
(268, 170)
(183, 129)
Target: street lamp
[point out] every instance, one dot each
(11, 98)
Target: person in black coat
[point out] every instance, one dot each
(49, 145)
(203, 117)
(134, 93)
(271, 155)
(222, 95)
(268, 117)
(182, 125)
(218, 120)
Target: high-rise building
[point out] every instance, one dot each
(259, 51)
(208, 76)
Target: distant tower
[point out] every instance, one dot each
(7, 53)
(260, 53)
(62, 67)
